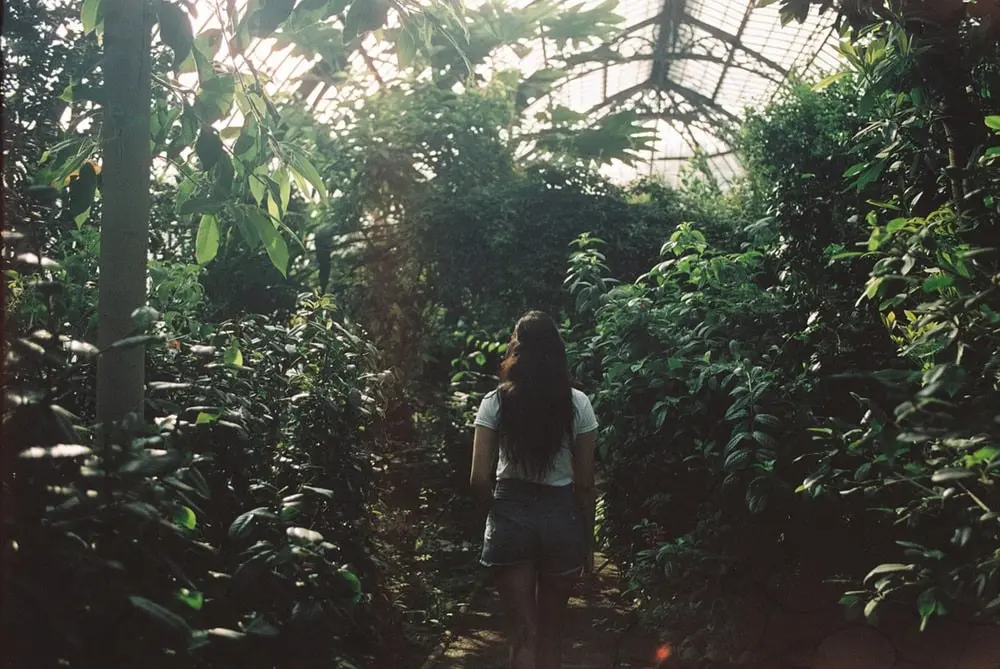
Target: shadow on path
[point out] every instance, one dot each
(598, 632)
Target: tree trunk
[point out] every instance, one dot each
(125, 203)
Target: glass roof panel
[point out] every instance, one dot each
(688, 67)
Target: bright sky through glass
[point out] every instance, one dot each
(724, 56)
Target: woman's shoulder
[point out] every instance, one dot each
(580, 397)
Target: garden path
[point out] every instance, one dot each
(600, 632)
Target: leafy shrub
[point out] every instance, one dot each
(779, 400)
(229, 529)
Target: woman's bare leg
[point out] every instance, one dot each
(553, 594)
(516, 585)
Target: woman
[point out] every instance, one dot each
(539, 532)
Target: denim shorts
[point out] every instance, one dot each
(534, 523)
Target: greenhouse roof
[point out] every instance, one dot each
(694, 66)
(687, 68)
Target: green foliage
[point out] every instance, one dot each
(759, 387)
(801, 368)
(228, 530)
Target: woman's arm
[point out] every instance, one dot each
(484, 451)
(584, 488)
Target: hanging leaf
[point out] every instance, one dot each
(304, 172)
(272, 240)
(273, 208)
(406, 48)
(257, 181)
(247, 229)
(207, 43)
(186, 135)
(90, 15)
(269, 17)
(207, 241)
(244, 145)
(215, 99)
(224, 176)
(826, 82)
(284, 188)
(175, 31)
(364, 16)
(82, 189)
(208, 147)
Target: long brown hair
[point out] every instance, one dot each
(536, 395)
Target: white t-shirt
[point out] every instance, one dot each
(561, 473)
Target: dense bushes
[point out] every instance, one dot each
(782, 402)
(805, 377)
(230, 528)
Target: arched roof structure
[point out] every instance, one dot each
(687, 69)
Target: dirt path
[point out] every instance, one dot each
(599, 632)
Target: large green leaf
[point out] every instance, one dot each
(274, 243)
(208, 147)
(225, 174)
(284, 188)
(244, 147)
(364, 16)
(175, 30)
(830, 80)
(90, 15)
(266, 19)
(258, 181)
(207, 241)
(406, 49)
(215, 99)
(82, 189)
(304, 172)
